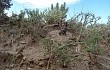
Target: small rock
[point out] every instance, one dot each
(42, 63)
(22, 34)
(22, 42)
(12, 65)
(29, 68)
(19, 56)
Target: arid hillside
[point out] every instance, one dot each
(35, 40)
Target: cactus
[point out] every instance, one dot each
(56, 13)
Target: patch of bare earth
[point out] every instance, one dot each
(35, 52)
(54, 35)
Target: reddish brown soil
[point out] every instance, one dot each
(32, 55)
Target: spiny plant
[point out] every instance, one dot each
(82, 20)
(61, 52)
(58, 50)
(49, 44)
(92, 40)
(55, 13)
(33, 21)
(34, 16)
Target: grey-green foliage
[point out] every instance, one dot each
(34, 16)
(59, 50)
(81, 20)
(49, 45)
(32, 20)
(55, 13)
(103, 29)
(86, 18)
(92, 39)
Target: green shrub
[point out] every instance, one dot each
(92, 40)
(58, 50)
(55, 13)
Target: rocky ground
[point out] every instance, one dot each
(18, 51)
